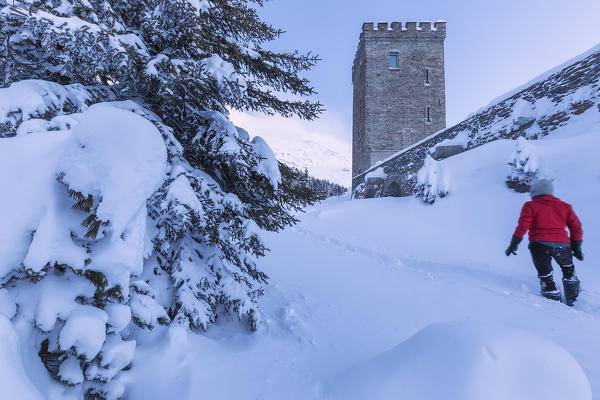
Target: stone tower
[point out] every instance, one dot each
(399, 89)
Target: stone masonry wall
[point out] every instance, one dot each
(360, 157)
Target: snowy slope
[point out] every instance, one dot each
(357, 278)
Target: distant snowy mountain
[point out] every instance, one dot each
(298, 144)
(320, 161)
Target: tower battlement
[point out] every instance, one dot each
(398, 80)
(438, 29)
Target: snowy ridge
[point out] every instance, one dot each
(562, 94)
(320, 161)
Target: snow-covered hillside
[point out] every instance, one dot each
(356, 278)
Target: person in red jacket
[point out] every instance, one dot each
(545, 217)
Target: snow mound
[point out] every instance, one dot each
(85, 331)
(467, 361)
(111, 152)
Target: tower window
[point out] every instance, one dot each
(394, 60)
(427, 115)
(427, 78)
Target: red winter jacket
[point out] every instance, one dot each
(545, 217)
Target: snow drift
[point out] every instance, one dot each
(467, 361)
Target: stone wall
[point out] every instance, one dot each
(360, 157)
(390, 103)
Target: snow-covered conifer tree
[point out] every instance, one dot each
(305, 189)
(431, 182)
(524, 168)
(155, 200)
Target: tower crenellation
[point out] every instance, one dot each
(382, 26)
(398, 81)
(423, 26)
(411, 26)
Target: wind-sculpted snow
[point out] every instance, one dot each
(466, 361)
(554, 100)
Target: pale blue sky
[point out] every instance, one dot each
(491, 46)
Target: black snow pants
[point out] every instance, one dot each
(542, 256)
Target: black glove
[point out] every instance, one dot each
(576, 248)
(514, 243)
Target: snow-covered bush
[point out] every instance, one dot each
(360, 191)
(431, 181)
(207, 245)
(131, 200)
(524, 167)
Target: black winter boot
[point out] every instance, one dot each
(571, 289)
(570, 283)
(548, 288)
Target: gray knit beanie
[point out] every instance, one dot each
(541, 187)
